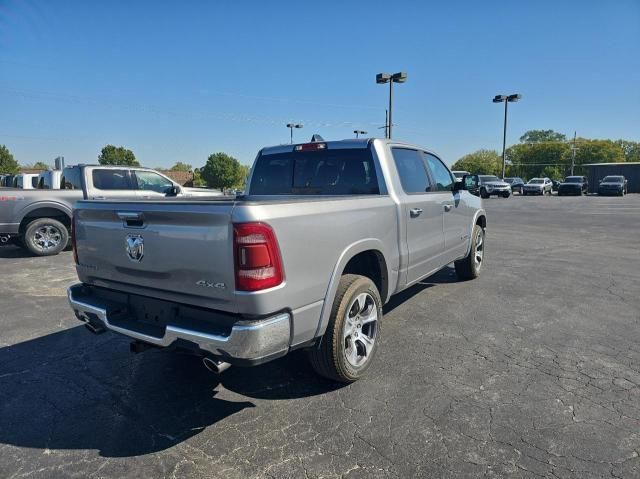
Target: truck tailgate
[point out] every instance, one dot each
(179, 247)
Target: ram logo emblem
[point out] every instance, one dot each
(135, 247)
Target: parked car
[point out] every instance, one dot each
(516, 183)
(492, 185)
(40, 219)
(613, 185)
(555, 184)
(26, 181)
(50, 180)
(7, 181)
(326, 234)
(459, 174)
(574, 185)
(538, 186)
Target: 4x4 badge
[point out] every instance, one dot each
(135, 247)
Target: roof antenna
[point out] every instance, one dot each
(315, 138)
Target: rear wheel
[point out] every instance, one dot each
(469, 267)
(45, 237)
(351, 340)
(483, 193)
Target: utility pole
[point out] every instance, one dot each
(573, 153)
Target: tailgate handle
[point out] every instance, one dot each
(131, 219)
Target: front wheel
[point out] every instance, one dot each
(46, 237)
(469, 267)
(484, 194)
(351, 340)
(505, 195)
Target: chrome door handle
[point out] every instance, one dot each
(415, 212)
(447, 207)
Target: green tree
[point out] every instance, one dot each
(481, 162)
(7, 163)
(528, 160)
(596, 151)
(180, 166)
(222, 171)
(631, 149)
(540, 136)
(112, 155)
(40, 165)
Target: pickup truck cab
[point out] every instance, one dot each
(40, 219)
(326, 234)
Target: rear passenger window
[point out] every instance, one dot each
(71, 179)
(412, 171)
(441, 174)
(110, 179)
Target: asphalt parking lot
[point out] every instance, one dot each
(531, 370)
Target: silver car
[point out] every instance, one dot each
(538, 186)
(491, 185)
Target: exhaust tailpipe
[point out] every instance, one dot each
(215, 366)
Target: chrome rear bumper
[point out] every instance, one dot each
(248, 340)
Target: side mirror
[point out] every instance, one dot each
(174, 190)
(470, 182)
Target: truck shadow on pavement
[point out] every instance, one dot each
(70, 390)
(73, 390)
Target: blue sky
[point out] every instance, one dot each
(175, 81)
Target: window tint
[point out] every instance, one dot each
(411, 169)
(34, 181)
(71, 179)
(110, 179)
(323, 172)
(441, 174)
(150, 181)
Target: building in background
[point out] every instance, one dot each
(597, 171)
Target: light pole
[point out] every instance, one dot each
(389, 78)
(506, 99)
(359, 132)
(291, 126)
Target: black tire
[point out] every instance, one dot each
(55, 240)
(506, 195)
(329, 358)
(483, 193)
(467, 268)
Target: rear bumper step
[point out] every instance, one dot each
(247, 341)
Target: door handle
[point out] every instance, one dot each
(415, 212)
(447, 207)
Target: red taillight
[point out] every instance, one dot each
(73, 237)
(257, 257)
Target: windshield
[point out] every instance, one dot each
(319, 172)
(510, 180)
(613, 179)
(536, 181)
(486, 178)
(460, 174)
(573, 179)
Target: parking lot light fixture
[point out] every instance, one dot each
(291, 126)
(359, 132)
(506, 99)
(381, 78)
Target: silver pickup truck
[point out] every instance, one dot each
(40, 219)
(326, 234)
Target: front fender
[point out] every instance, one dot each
(349, 252)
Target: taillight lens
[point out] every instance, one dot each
(73, 237)
(257, 257)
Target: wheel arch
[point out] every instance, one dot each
(56, 212)
(365, 257)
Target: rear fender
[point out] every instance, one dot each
(348, 253)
